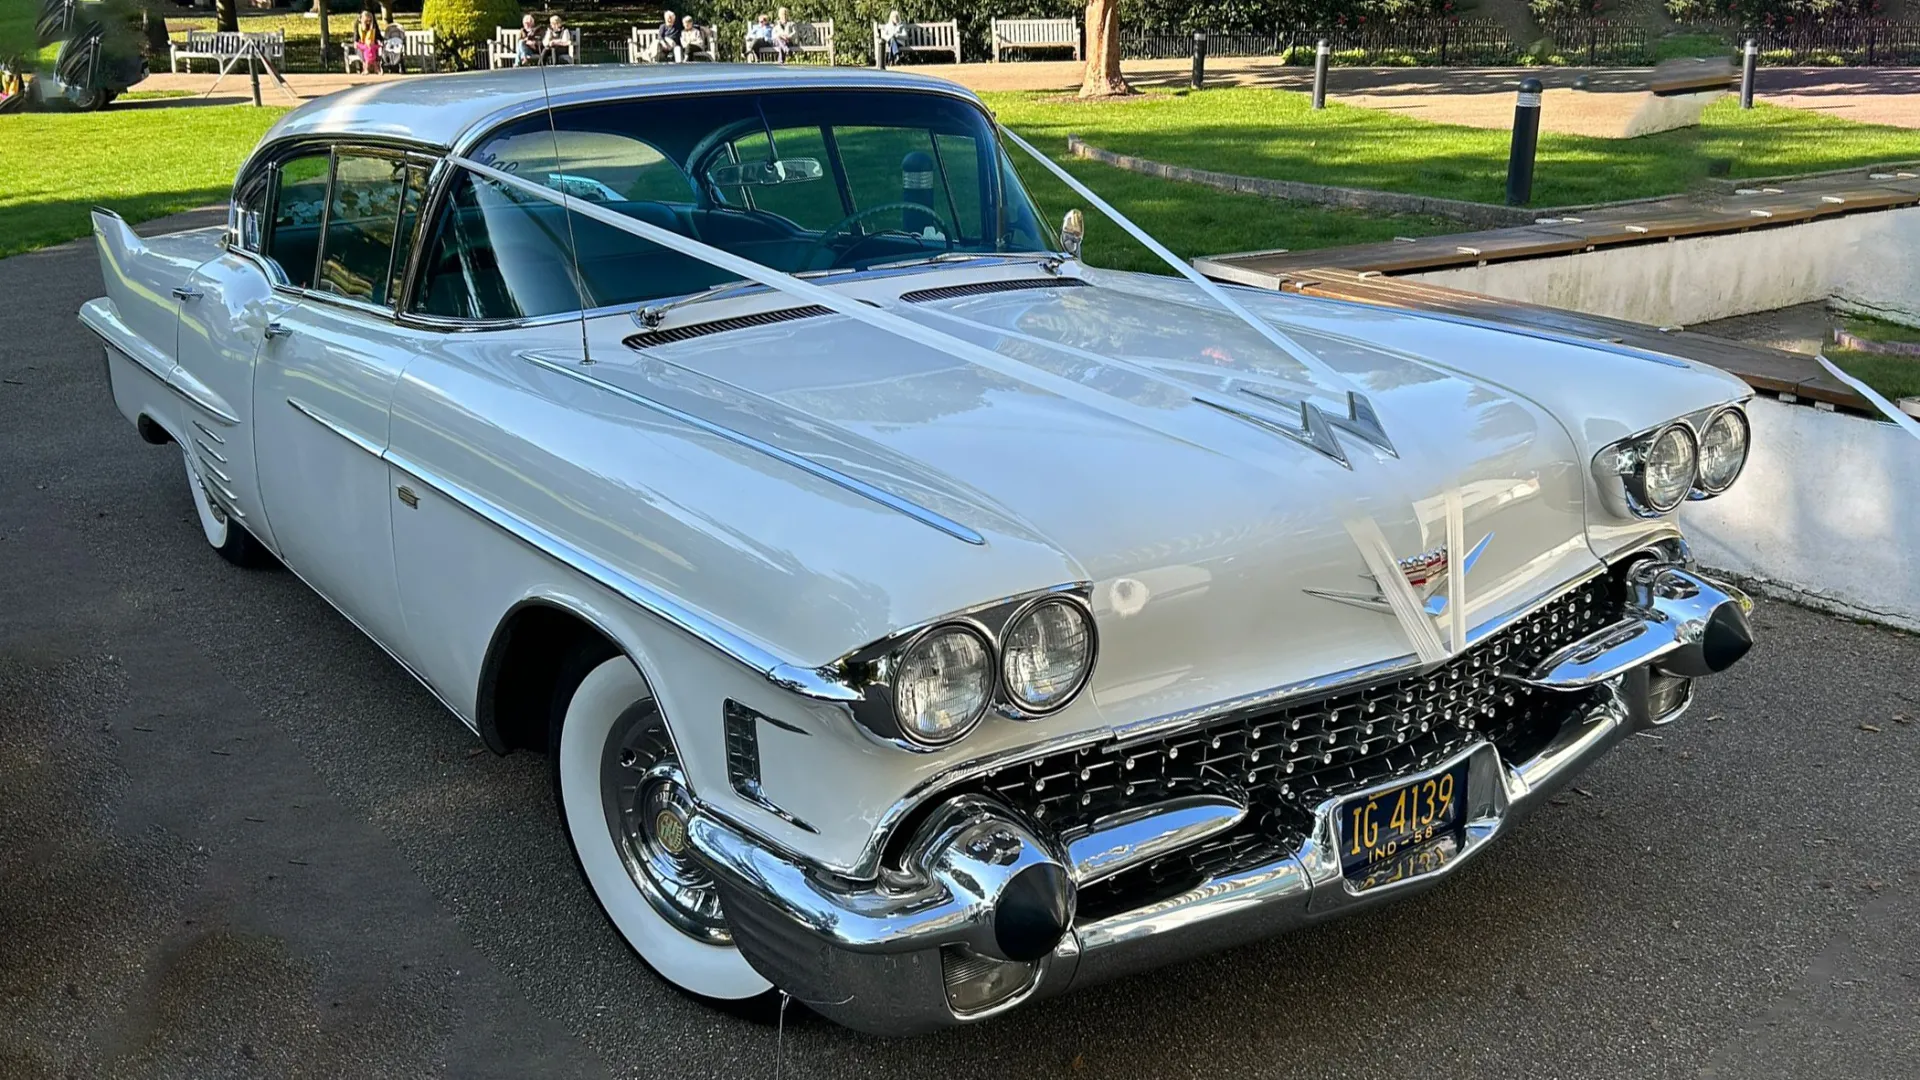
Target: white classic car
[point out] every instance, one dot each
(919, 621)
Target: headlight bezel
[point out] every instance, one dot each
(868, 677)
(1702, 489)
(1012, 703)
(1619, 466)
(898, 669)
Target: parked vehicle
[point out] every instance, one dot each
(929, 622)
(99, 55)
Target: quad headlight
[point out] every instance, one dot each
(926, 687)
(1698, 456)
(1723, 450)
(1046, 653)
(1664, 469)
(942, 685)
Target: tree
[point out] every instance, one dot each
(326, 39)
(463, 27)
(1103, 77)
(228, 12)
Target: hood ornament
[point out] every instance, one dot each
(1425, 572)
(1316, 428)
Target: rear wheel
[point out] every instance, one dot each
(624, 806)
(228, 537)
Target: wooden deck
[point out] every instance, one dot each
(1368, 273)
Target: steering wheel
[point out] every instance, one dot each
(845, 223)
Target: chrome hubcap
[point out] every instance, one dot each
(647, 808)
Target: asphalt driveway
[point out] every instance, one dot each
(236, 840)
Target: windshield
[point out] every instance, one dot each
(800, 181)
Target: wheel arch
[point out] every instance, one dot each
(525, 660)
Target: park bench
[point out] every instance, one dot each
(419, 52)
(919, 37)
(220, 46)
(808, 37)
(641, 42)
(504, 50)
(1010, 34)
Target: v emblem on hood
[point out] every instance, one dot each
(1426, 573)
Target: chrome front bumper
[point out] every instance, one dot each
(986, 897)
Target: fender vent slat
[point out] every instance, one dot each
(668, 335)
(980, 288)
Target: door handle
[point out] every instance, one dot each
(275, 330)
(182, 292)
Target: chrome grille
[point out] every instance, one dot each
(1283, 760)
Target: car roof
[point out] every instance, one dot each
(442, 110)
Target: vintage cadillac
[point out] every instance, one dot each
(918, 620)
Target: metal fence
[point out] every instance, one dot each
(1438, 42)
(1868, 44)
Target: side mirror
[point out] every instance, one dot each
(1073, 229)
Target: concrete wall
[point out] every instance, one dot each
(1827, 511)
(1869, 262)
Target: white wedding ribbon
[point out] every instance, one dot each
(1905, 422)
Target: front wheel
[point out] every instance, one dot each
(624, 806)
(88, 99)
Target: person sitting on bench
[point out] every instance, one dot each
(531, 39)
(558, 48)
(667, 46)
(760, 36)
(893, 36)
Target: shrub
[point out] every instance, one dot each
(463, 27)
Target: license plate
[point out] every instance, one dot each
(1404, 831)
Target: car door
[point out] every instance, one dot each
(326, 374)
(225, 307)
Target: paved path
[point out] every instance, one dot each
(1479, 97)
(239, 842)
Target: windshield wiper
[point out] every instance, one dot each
(649, 317)
(1051, 260)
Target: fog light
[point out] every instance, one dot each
(976, 982)
(1667, 695)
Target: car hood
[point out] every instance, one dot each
(1202, 527)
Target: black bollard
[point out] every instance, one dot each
(1199, 58)
(1526, 136)
(1747, 62)
(253, 70)
(1320, 55)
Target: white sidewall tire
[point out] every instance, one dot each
(215, 526)
(695, 966)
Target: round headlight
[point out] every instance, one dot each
(943, 684)
(1666, 468)
(1045, 655)
(1723, 451)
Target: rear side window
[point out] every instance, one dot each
(363, 219)
(299, 204)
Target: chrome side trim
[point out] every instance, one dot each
(728, 641)
(119, 337)
(807, 465)
(207, 450)
(359, 441)
(209, 433)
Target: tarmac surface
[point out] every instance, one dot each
(239, 841)
(1477, 97)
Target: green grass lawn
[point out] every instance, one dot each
(1894, 376)
(149, 162)
(143, 162)
(1270, 133)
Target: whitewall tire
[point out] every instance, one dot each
(234, 543)
(617, 779)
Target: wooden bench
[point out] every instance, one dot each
(420, 52)
(808, 37)
(919, 37)
(1010, 34)
(504, 50)
(221, 46)
(641, 42)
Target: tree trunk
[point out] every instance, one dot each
(228, 12)
(326, 38)
(1103, 78)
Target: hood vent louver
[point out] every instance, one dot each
(980, 288)
(669, 335)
